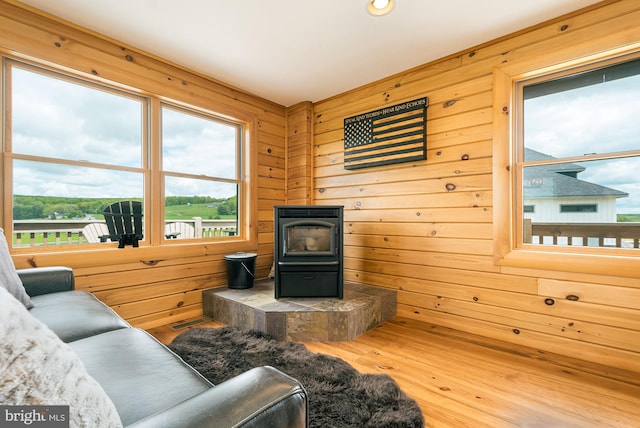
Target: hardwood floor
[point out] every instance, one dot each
(462, 380)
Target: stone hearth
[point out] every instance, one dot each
(301, 319)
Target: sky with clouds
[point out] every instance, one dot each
(60, 119)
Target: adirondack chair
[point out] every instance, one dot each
(179, 230)
(95, 232)
(124, 221)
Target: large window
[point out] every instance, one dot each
(73, 147)
(578, 156)
(565, 159)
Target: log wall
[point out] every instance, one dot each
(404, 229)
(407, 230)
(299, 154)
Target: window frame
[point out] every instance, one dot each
(578, 208)
(509, 249)
(151, 164)
(240, 169)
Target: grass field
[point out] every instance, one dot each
(629, 218)
(186, 212)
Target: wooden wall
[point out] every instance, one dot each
(300, 154)
(406, 231)
(154, 284)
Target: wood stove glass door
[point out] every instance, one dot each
(304, 238)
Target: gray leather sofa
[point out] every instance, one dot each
(148, 383)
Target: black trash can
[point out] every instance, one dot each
(240, 269)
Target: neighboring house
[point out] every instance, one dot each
(555, 194)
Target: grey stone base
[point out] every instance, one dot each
(301, 319)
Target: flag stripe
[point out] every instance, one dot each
(396, 136)
(400, 119)
(384, 162)
(378, 147)
(387, 154)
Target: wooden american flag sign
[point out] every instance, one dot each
(388, 135)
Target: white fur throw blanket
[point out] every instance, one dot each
(37, 368)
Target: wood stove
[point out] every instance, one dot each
(308, 251)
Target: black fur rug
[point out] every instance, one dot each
(339, 396)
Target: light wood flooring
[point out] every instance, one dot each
(462, 380)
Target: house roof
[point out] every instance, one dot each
(289, 51)
(533, 155)
(560, 181)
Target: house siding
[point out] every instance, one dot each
(548, 210)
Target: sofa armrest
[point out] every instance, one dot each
(46, 280)
(260, 397)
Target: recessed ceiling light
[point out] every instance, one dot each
(379, 7)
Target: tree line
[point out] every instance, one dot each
(51, 207)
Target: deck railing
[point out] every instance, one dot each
(620, 235)
(33, 233)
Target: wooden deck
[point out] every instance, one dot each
(462, 380)
(619, 235)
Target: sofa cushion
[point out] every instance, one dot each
(37, 368)
(47, 279)
(140, 375)
(74, 315)
(9, 278)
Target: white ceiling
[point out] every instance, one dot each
(289, 51)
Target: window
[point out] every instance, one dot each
(577, 156)
(201, 172)
(74, 146)
(578, 208)
(565, 142)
